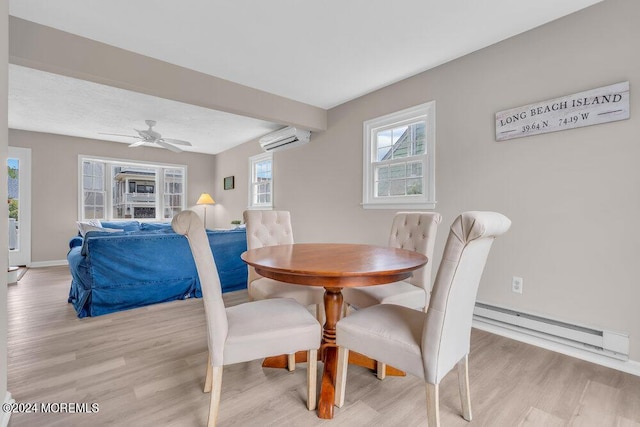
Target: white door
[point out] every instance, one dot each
(19, 195)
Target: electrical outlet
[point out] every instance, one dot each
(517, 284)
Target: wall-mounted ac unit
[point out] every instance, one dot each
(284, 138)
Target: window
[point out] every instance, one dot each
(261, 181)
(173, 192)
(118, 189)
(93, 194)
(399, 160)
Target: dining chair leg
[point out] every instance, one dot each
(463, 384)
(312, 378)
(207, 379)
(214, 405)
(381, 370)
(433, 405)
(341, 375)
(291, 362)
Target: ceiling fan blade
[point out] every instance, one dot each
(118, 134)
(137, 144)
(176, 141)
(168, 146)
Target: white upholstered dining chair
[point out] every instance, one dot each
(268, 228)
(428, 345)
(414, 231)
(248, 331)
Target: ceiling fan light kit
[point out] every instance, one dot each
(150, 137)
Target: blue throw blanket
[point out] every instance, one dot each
(118, 271)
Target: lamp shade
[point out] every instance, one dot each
(205, 199)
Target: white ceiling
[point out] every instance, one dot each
(321, 53)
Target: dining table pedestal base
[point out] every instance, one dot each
(358, 359)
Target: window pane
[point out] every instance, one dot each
(89, 198)
(414, 169)
(399, 133)
(397, 188)
(263, 188)
(382, 188)
(383, 153)
(173, 184)
(420, 138)
(87, 183)
(384, 138)
(414, 186)
(400, 142)
(383, 145)
(397, 171)
(98, 183)
(263, 170)
(13, 199)
(139, 203)
(89, 212)
(98, 169)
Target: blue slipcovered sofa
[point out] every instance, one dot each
(145, 263)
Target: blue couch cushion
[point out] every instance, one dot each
(122, 225)
(161, 226)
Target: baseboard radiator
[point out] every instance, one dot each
(603, 342)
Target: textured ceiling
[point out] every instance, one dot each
(40, 101)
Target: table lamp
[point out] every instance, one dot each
(205, 199)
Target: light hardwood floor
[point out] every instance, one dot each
(146, 367)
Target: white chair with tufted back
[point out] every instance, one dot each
(248, 331)
(414, 231)
(269, 228)
(428, 345)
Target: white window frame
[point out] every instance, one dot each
(427, 200)
(253, 161)
(109, 162)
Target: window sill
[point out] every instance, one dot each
(392, 205)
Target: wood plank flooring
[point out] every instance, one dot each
(146, 367)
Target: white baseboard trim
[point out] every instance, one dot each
(4, 422)
(628, 366)
(54, 263)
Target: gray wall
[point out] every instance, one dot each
(230, 203)
(4, 29)
(54, 179)
(572, 196)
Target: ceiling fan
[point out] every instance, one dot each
(149, 137)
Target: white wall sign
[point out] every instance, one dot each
(592, 107)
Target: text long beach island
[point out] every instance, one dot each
(592, 107)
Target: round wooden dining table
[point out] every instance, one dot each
(333, 266)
